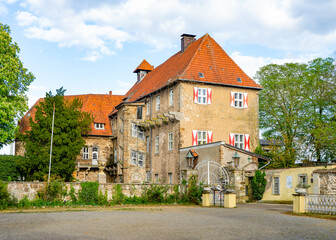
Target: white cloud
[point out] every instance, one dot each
(34, 87)
(251, 65)
(104, 27)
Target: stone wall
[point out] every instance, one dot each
(30, 189)
(327, 182)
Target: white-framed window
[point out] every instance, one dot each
(139, 113)
(157, 103)
(147, 142)
(170, 141)
(141, 134)
(303, 179)
(202, 95)
(134, 130)
(276, 186)
(171, 97)
(148, 108)
(121, 154)
(157, 143)
(141, 159)
(99, 125)
(239, 141)
(170, 178)
(133, 157)
(94, 153)
(148, 176)
(121, 125)
(238, 100)
(85, 153)
(115, 155)
(201, 137)
(157, 178)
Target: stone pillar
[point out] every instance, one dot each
(229, 200)
(206, 198)
(101, 175)
(299, 203)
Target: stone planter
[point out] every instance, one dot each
(302, 191)
(230, 190)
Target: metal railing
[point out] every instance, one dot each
(325, 204)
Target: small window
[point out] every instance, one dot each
(134, 130)
(85, 153)
(238, 101)
(99, 125)
(276, 186)
(239, 141)
(134, 158)
(170, 178)
(141, 159)
(239, 80)
(170, 141)
(201, 75)
(141, 134)
(171, 97)
(201, 137)
(157, 142)
(148, 176)
(202, 95)
(139, 113)
(157, 178)
(94, 153)
(157, 103)
(147, 141)
(148, 108)
(303, 179)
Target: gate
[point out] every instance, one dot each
(212, 173)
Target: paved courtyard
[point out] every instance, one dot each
(247, 221)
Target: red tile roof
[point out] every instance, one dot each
(100, 105)
(144, 65)
(202, 56)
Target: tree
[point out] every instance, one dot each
(281, 104)
(297, 107)
(320, 107)
(14, 82)
(258, 185)
(69, 126)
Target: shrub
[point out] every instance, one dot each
(102, 198)
(9, 167)
(155, 193)
(89, 193)
(24, 203)
(194, 191)
(72, 194)
(258, 185)
(53, 191)
(4, 195)
(118, 197)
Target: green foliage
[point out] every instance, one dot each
(118, 196)
(258, 185)
(14, 82)
(70, 123)
(155, 193)
(89, 193)
(4, 195)
(297, 108)
(53, 191)
(72, 194)
(102, 198)
(24, 203)
(194, 192)
(9, 167)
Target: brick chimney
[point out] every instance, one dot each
(186, 40)
(110, 93)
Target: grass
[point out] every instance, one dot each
(314, 215)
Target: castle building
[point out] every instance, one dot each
(198, 96)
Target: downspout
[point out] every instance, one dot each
(150, 141)
(265, 165)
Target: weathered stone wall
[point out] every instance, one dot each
(219, 117)
(30, 189)
(327, 183)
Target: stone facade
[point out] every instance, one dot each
(327, 181)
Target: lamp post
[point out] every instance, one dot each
(236, 159)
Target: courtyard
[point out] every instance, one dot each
(247, 221)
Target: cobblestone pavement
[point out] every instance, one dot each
(247, 221)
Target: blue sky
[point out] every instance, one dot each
(93, 46)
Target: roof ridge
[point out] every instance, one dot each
(204, 37)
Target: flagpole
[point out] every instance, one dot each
(51, 142)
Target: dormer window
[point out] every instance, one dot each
(99, 126)
(239, 80)
(201, 75)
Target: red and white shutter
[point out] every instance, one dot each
(247, 142)
(231, 139)
(209, 137)
(195, 95)
(245, 100)
(194, 137)
(209, 96)
(232, 99)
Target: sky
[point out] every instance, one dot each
(91, 46)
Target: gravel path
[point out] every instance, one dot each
(247, 221)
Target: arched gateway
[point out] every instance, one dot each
(212, 173)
